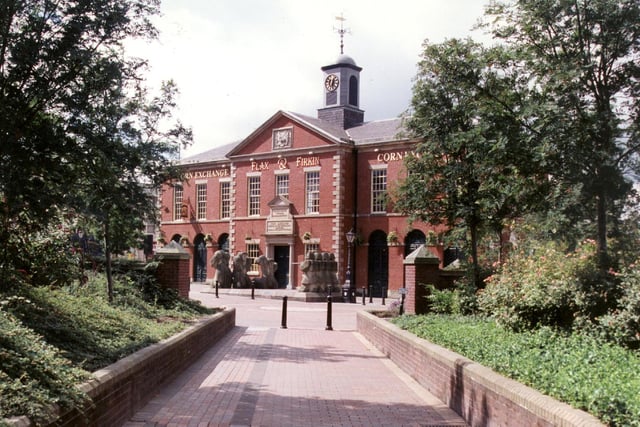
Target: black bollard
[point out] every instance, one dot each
(384, 294)
(284, 313)
(217, 289)
(370, 295)
(329, 327)
(402, 304)
(253, 289)
(364, 295)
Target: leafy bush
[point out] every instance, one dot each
(33, 374)
(93, 333)
(459, 300)
(546, 286)
(51, 336)
(46, 258)
(580, 370)
(622, 325)
(143, 286)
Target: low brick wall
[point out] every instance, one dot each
(120, 390)
(478, 394)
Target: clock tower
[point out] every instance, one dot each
(341, 85)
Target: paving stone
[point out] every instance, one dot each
(263, 375)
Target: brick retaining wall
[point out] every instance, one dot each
(121, 389)
(475, 392)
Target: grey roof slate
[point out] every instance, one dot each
(215, 154)
(378, 131)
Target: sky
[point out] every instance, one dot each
(238, 62)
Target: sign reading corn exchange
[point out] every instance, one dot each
(211, 173)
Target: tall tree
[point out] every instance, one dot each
(472, 165)
(581, 58)
(73, 113)
(130, 160)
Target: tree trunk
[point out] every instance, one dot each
(107, 258)
(474, 254)
(603, 256)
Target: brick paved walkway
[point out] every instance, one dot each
(263, 375)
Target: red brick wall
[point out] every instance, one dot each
(123, 388)
(175, 274)
(475, 392)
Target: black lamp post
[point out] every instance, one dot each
(348, 288)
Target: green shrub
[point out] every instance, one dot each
(33, 374)
(622, 325)
(440, 301)
(546, 286)
(580, 370)
(93, 333)
(461, 299)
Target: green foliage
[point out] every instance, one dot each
(33, 374)
(580, 59)
(461, 300)
(542, 285)
(51, 336)
(472, 169)
(80, 133)
(581, 371)
(622, 325)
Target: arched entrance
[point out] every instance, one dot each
(414, 239)
(378, 263)
(176, 238)
(223, 242)
(199, 259)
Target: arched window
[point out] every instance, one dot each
(199, 259)
(378, 263)
(414, 239)
(223, 242)
(353, 91)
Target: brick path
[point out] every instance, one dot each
(261, 374)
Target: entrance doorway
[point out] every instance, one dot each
(378, 260)
(281, 257)
(199, 259)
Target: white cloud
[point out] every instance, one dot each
(238, 62)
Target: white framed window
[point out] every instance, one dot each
(177, 201)
(253, 251)
(225, 199)
(282, 185)
(379, 190)
(311, 247)
(253, 186)
(201, 198)
(312, 191)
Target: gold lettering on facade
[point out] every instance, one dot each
(282, 164)
(212, 173)
(259, 166)
(395, 156)
(307, 161)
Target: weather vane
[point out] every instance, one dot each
(342, 31)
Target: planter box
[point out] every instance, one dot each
(478, 394)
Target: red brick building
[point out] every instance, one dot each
(300, 183)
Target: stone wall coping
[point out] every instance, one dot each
(421, 255)
(546, 407)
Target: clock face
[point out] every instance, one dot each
(331, 82)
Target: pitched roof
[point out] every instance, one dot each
(215, 154)
(378, 131)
